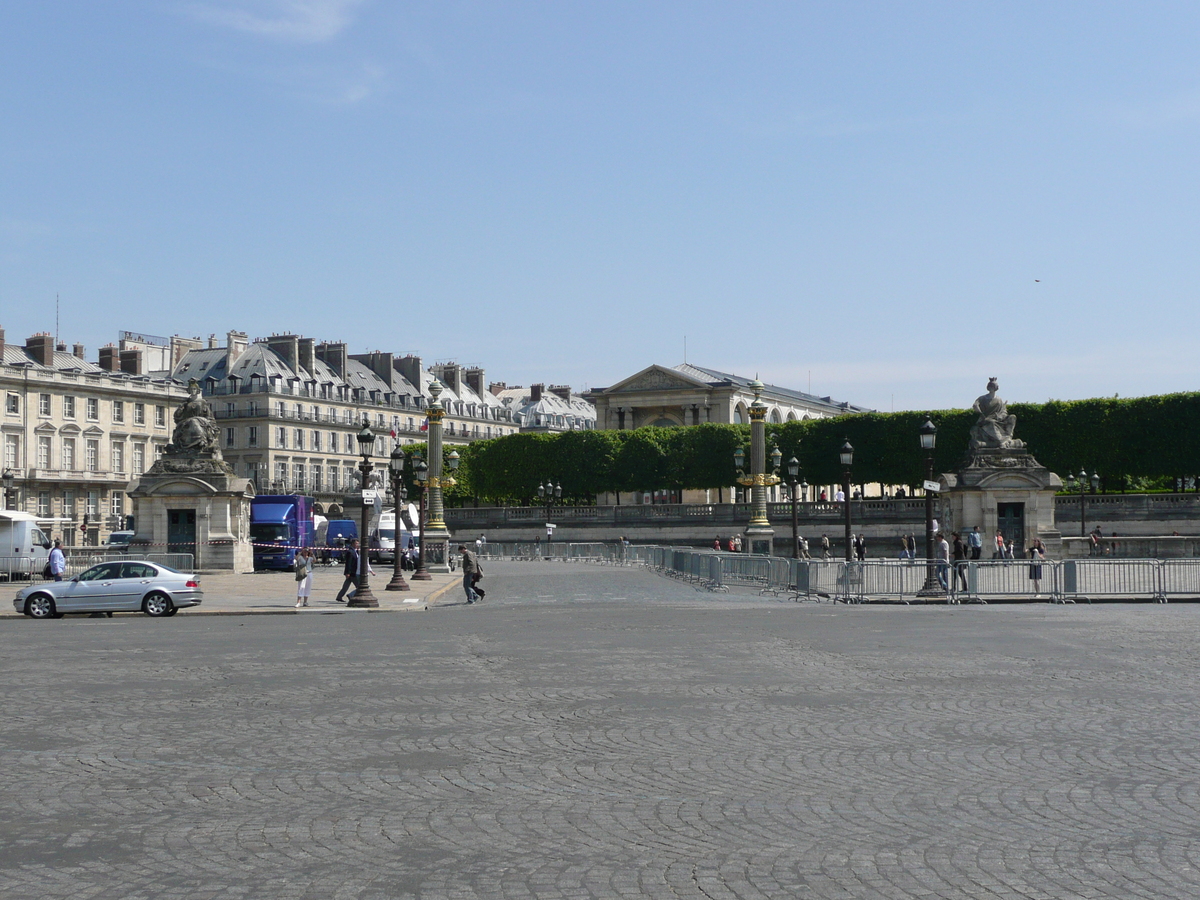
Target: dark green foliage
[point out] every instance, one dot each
(1145, 438)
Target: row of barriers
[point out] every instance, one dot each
(977, 581)
(29, 568)
(1065, 581)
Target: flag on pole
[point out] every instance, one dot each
(425, 425)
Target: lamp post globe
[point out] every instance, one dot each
(363, 596)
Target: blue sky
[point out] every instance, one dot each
(888, 202)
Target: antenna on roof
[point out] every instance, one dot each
(56, 320)
(685, 349)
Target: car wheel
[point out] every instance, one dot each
(41, 606)
(174, 609)
(157, 605)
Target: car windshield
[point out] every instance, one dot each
(388, 534)
(267, 534)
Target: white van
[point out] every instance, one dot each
(24, 547)
(383, 541)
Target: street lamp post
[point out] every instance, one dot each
(396, 470)
(549, 492)
(846, 456)
(928, 435)
(421, 478)
(8, 478)
(436, 535)
(793, 470)
(363, 596)
(1083, 486)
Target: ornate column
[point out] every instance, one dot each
(759, 535)
(436, 538)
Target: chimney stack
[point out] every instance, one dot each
(287, 348)
(41, 348)
(535, 392)
(110, 358)
(131, 362)
(379, 363)
(1, 345)
(334, 356)
(236, 343)
(78, 352)
(410, 367)
(561, 390)
(476, 380)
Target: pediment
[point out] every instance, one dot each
(45, 428)
(657, 378)
(94, 431)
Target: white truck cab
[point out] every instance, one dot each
(24, 547)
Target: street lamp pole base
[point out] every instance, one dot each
(363, 599)
(422, 574)
(397, 583)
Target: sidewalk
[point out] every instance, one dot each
(274, 593)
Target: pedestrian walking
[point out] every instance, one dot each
(999, 553)
(975, 542)
(57, 562)
(1037, 555)
(470, 567)
(349, 570)
(804, 548)
(737, 543)
(960, 559)
(304, 576)
(860, 547)
(941, 555)
(717, 542)
(824, 546)
(904, 552)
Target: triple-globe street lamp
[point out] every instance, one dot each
(363, 596)
(795, 484)
(421, 480)
(399, 495)
(928, 437)
(548, 493)
(1082, 483)
(846, 457)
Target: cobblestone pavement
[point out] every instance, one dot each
(595, 732)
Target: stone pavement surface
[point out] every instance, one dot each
(604, 733)
(275, 592)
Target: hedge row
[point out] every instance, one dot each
(1144, 437)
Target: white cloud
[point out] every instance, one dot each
(303, 21)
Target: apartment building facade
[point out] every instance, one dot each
(74, 433)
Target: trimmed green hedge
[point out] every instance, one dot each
(1143, 437)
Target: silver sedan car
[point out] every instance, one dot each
(109, 587)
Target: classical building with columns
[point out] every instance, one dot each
(687, 394)
(691, 395)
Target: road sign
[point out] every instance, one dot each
(369, 496)
(932, 486)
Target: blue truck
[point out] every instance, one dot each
(280, 524)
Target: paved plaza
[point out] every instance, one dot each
(592, 732)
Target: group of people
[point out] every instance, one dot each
(732, 544)
(970, 549)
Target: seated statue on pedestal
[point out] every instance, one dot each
(194, 447)
(994, 429)
(196, 432)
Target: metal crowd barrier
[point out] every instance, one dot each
(1062, 581)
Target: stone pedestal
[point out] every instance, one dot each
(195, 507)
(991, 488)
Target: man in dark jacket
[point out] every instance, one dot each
(350, 570)
(470, 566)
